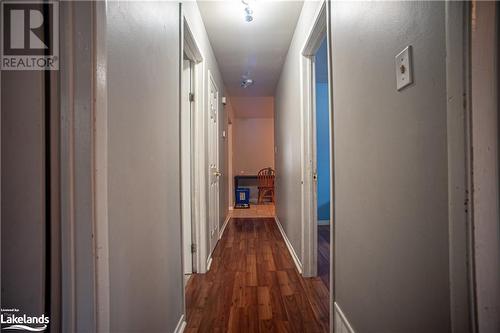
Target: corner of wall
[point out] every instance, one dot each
(340, 322)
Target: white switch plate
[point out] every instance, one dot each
(404, 72)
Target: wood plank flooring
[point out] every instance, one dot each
(253, 286)
(255, 210)
(324, 254)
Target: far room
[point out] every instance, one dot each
(251, 153)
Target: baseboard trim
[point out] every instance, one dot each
(323, 222)
(340, 322)
(294, 255)
(209, 262)
(221, 233)
(181, 325)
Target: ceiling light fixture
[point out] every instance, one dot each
(248, 14)
(248, 10)
(245, 83)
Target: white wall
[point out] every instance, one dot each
(287, 131)
(390, 162)
(193, 17)
(142, 40)
(253, 145)
(146, 287)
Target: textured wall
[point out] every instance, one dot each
(287, 131)
(390, 159)
(253, 145)
(193, 17)
(143, 176)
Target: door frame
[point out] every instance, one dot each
(83, 167)
(320, 29)
(186, 170)
(483, 148)
(308, 142)
(462, 312)
(190, 47)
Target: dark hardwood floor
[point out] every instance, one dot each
(324, 254)
(253, 286)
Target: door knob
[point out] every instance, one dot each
(217, 173)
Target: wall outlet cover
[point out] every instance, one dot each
(404, 71)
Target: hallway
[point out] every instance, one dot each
(250, 166)
(253, 286)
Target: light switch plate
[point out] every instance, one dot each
(404, 71)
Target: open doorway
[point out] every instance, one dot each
(193, 170)
(321, 162)
(317, 188)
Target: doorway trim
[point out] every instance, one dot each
(186, 170)
(308, 103)
(83, 162)
(190, 47)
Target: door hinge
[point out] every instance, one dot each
(191, 97)
(193, 248)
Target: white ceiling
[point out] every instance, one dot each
(258, 48)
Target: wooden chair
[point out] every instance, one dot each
(266, 184)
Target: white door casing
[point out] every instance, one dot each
(308, 143)
(199, 188)
(186, 165)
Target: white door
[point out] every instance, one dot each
(186, 163)
(213, 162)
